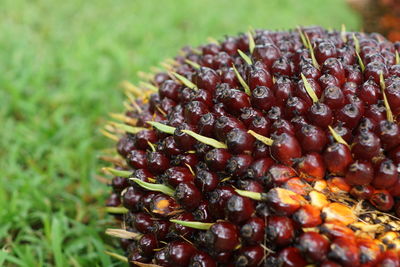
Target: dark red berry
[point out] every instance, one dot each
(194, 110)
(143, 222)
(137, 159)
(175, 175)
(282, 126)
(132, 197)
(369, 93)
(248, 114)
(382, 200)
(259, 77)
(349, 115)
(202, 259)
(334, 67)
(320, 115)
(147, 244)
(366, 146)
(386, 175)
(170, 89)
(239, 209)
(278, 174)
(144, 137)
(283, 89)
(218, 199)
(222, 236)
(295, 106)
(169, 147)
(206, 124)
(333, 97)
(260, 125)
(267, 53)
(160, 257)
(235, 100)
(206, 181)
(179, 253)
(311, 166)
(325, 50)
(157, 162)
(239, 141)
(311, 138)
(207, 79)
(238, 164)
(359, 173)
(285, 148)
(224, 125)
(259, 168)
(345, 251)
(362, 191)
(253, 231)
(250, 256)
(262, 98)
(315, 246)
(125, 145)
(184, 141)
(280, 230)
(291, 257)
(217, 159)
(177, 230)
(188, 195)
(389, 134)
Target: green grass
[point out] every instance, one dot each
(60, 65)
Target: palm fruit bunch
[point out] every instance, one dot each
(264, 149)
(379, 15)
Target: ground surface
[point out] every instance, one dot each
(60, 65)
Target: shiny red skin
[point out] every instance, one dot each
(250, 256)
(132, 197)
(176, 175)
(253, 231)
(157, 162)
(359, 173)
(239, 141)
(337, 158)
(217, 158)
(311, 138)
(345, 251)
(385, 175)
(382, 200)
(291, 257)
(188, 196)
(202, 259)
(280, 230)
(223, 236)
(314, 246)
(179, 253)
(285, 148)
(137, 159)
(239, 209)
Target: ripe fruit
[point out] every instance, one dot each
(282, 153)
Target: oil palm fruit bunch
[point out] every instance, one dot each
(264, 149)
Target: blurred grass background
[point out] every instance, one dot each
(60, 65)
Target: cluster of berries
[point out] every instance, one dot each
(266, 149)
